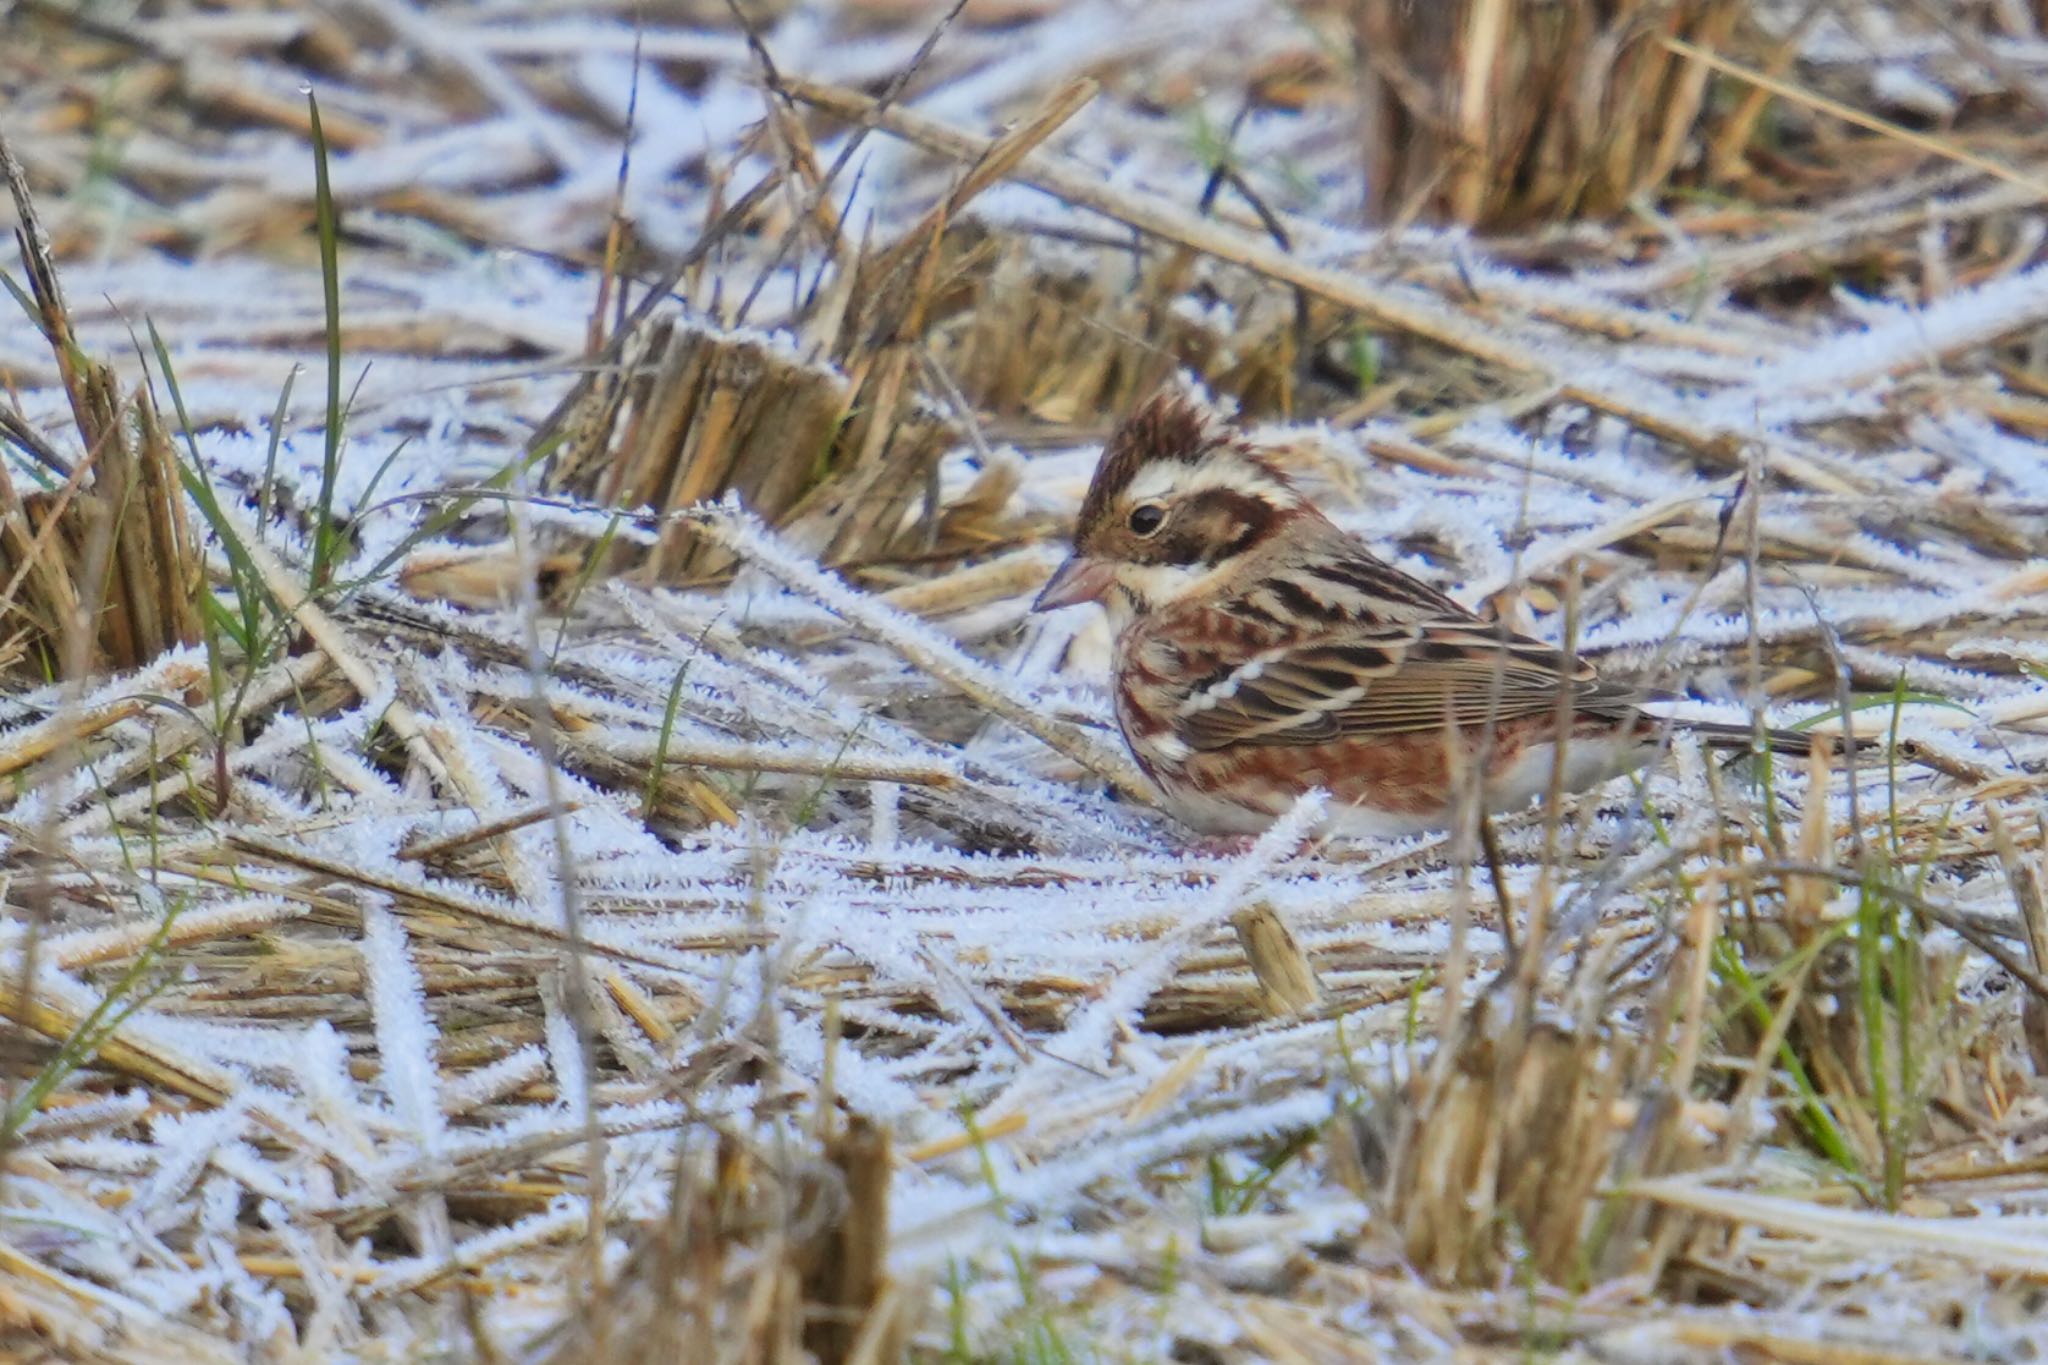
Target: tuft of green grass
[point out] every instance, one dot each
(1035, 1333)
(251, 620)
(1230, 1195)
(136, 986)
(1367, 357)
(328, 227)
(1856, 1056)
(1815, 1116)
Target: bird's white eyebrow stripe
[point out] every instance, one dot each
(1164, 477)
(1153, 481)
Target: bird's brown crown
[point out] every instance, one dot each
(1175, 487)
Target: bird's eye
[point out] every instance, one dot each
(1147, 518)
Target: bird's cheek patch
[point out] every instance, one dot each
(1186, 545)
(1229, 521)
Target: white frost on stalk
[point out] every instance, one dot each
(331, 1096)
(1085, 1040)
(407, 1039)
(865, 1084)
(564, 1038)
(1909, 339)
(927, 649)
(565, 1215)
(492, 1081)
(882, 804)
(1964, 435)
(186, 1142)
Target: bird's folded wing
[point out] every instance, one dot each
(1383, 680)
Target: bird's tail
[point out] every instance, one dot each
(1793, 743)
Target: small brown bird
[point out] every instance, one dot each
(1262, 652)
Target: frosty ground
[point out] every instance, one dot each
(509, 919)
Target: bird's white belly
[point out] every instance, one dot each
(1587, 764)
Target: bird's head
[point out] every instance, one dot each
(1177, 502)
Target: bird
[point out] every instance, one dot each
(1262, 652)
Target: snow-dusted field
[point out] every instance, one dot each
(378, 995)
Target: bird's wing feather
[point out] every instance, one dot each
(1383, 679)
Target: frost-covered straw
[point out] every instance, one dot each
(923, 648)
(1088, 1035)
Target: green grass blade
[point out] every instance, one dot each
(584, 576)
(245, 625)
(264, 493)
(1814, 1114)
(1872, 926)
(456, 508)
(649, 802)
(105, 1019)
(330, 282)
(22, 297)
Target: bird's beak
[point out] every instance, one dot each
(1076, 581)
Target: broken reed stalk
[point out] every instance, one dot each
(836, 464)
(704, 414)
(761, 1260)
(832, 442)
(108, 554)
(1028, 337)
(2024, 876)
(1511, 1156)
(1497, 113)
(845, 1283)
(1287, 980)
(101, 572)
(1439, 319)
(1510, 1149)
